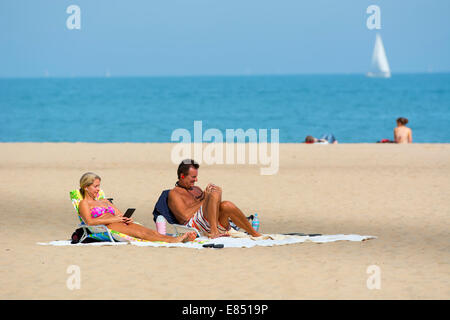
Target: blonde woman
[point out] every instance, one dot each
(95, 212)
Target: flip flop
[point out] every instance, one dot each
(213, 245)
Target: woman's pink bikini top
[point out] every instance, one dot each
(98, 211)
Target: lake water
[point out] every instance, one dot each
(356, 109)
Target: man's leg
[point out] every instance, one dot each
(227, 210)
(210, 209)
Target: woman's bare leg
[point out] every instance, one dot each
(141, 232)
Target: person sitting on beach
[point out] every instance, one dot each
(325, 139)
(204, 210)
(402, 134)
(95, 212)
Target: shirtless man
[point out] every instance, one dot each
(402, 134)
(204, 210)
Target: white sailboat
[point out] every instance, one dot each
(380, 66)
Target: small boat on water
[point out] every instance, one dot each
(380, 66)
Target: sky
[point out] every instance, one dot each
(219, 37)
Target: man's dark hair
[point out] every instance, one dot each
(184, 166)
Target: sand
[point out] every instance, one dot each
(398, 193)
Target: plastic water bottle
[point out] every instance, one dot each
(255, 222)
(161, 224)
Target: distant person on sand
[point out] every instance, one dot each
(402, 134)
(204, 210)
(325, 139)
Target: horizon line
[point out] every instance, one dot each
(219, 75)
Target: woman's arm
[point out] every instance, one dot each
(83, 208)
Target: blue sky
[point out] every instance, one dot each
(219, 37)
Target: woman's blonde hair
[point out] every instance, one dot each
(86, 180)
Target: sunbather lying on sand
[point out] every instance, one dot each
(95, 212)
(204, 210)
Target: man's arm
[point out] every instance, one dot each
(180, 209)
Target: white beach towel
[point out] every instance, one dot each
(235, 240)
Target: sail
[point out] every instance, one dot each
(380, 65)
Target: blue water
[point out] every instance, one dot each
(353, 107)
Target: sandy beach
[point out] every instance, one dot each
(398, 193)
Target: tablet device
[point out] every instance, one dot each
(129, 212)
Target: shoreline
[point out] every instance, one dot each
(293, 143)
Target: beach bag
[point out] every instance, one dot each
(78, 234)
